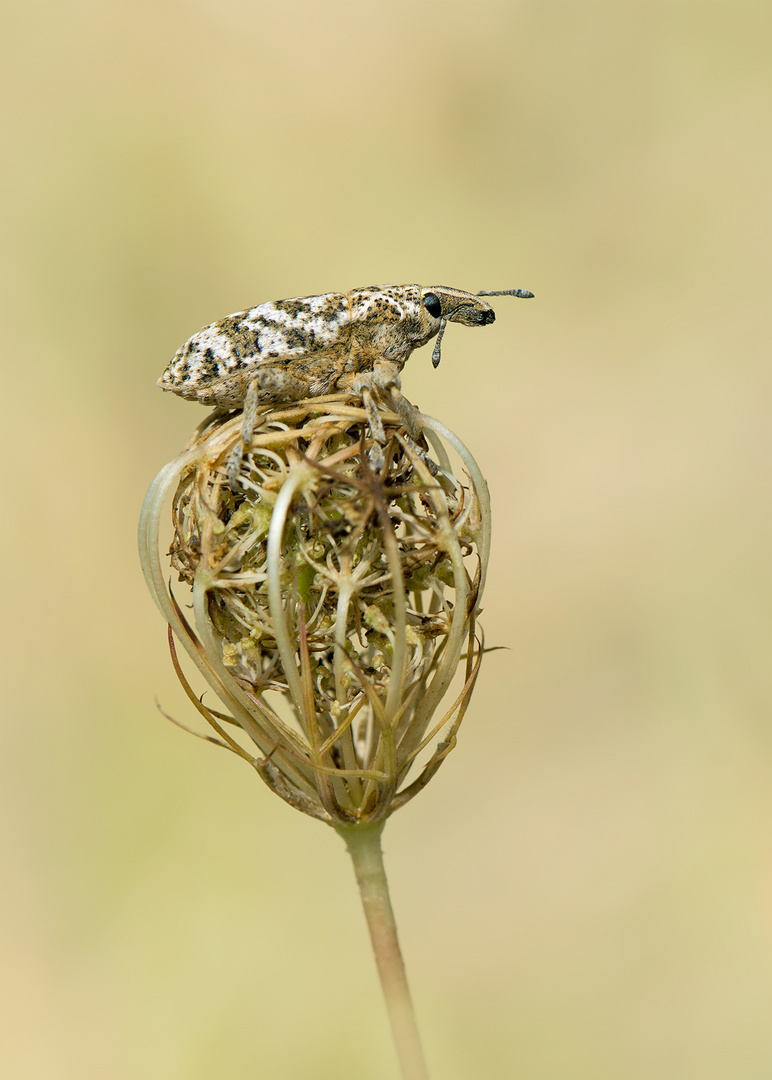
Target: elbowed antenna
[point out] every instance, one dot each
(522, 293)
(436, 349)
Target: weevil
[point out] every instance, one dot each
(309, 346)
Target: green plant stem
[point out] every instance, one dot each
(364, 845)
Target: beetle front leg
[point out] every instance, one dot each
(407, 412)
(385, 377)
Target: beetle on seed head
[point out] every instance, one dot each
(309, 346)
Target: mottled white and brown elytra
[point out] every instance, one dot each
(308, 346)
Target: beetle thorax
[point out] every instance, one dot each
(389, 320)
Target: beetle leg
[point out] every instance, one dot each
(248, 423)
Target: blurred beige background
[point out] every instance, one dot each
(585, 889)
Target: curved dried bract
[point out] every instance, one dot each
(334, 591)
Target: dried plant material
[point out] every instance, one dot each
(335, 587)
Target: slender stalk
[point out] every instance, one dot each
(364, 845)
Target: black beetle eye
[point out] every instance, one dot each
(433, 305)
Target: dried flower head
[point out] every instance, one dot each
(334, 588)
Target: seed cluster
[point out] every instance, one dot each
(335, 588)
